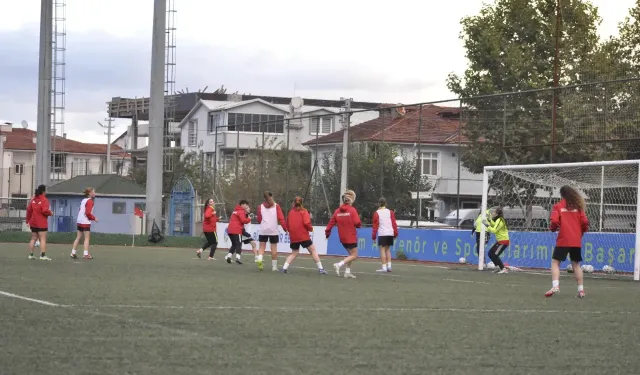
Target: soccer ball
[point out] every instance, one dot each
(608, 269)
(37, 243)
(491, 266)
(462, 260)
(587, 268)
(569, 268)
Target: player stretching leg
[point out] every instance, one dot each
(346, 218)
(569, 219)
(38, 213)
(299, 225)
(236, 226)
(269, 215)
(385, 229)
(85, 217)
(209, 230)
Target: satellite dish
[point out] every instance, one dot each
(297, 102)
(24, 124)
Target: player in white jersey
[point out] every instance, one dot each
(85, 217)
(269, 216)
(385, 229)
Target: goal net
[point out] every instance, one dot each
(527, 194)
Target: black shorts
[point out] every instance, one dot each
(37, 230)
(560, 254)
(270, 239)
(246, 237)
(83, 229)
(385, 240)
(297, 245)
(350, 246)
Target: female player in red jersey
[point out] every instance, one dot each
(235, 229)
(85, 217)
(209, 230)
(347, 219)
(299, 225)
(38, 213)
(569, 219)
(385, 229)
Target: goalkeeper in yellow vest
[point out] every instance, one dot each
(477, 229)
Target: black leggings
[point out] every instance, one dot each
(495, 252)
(212, 240)
(236, 245)
(486, 240)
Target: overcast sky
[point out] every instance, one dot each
(327, 50)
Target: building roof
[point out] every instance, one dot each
(23, 139)
(104, 184)
(439, 126)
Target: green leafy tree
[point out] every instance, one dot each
(368, 162)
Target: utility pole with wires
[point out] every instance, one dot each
(109, 127)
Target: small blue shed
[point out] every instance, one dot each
(116, 199)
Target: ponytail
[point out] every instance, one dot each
(40, 190)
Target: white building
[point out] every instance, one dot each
(225, 126)
(69, 159)
(436, 148)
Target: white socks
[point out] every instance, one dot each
(580, 288)
(258, 257)
(274, 263)
(384, 267)
(340, 264)
(389, 265)
(347, 270)
(555, 283)
(73, 251)
(238, 256)
(319, 265)
(286, 266)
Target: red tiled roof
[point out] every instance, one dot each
(439, 126)
(22, 139)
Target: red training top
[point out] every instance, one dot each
(346, 218)
(299, 224)
(237, 221)
(572, 224)
(210, 220)
(38, 211)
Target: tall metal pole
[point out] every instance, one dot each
(43, 133)
(459, 165)
(155, 152)
(109, 134)
(345, 145)
(382, 158)
(556, 81)
(419, 171)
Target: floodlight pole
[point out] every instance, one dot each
(155, 150)
(346, 118)
(43, 133)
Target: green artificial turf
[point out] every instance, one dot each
(159, 311)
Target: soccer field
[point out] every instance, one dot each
(160, 311)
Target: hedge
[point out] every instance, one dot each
(105, 239)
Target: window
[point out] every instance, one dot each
(321, 126)
(19, 168)
(141, 205)
(256, 123)
(208, 159)
(59, 163)
(119, 208)
(116, 166)
(229, 160)
(193, 133)
(470, 205)
(429, 163)
(80, 167)
(215, 121)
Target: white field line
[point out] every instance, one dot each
(362, 309)
(38, 301)
(92, 310)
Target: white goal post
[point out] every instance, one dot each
(527, 192)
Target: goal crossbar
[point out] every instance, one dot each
(485, 196)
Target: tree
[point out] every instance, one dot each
(510, 47)
(367, 163)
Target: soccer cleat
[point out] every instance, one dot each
(322, 271)
(238, 261)
(199, 253)
(284, 271)
(45, 258)
(274, 269)
(260, 264)
(503, 271)
(551, 292)
(32, 257)
(349, 275)
(388, 269)
(580, 294)
(228, 259)
(73, 256)
(87, 257)
(212, 258)
(337, 268)
(382, 270)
